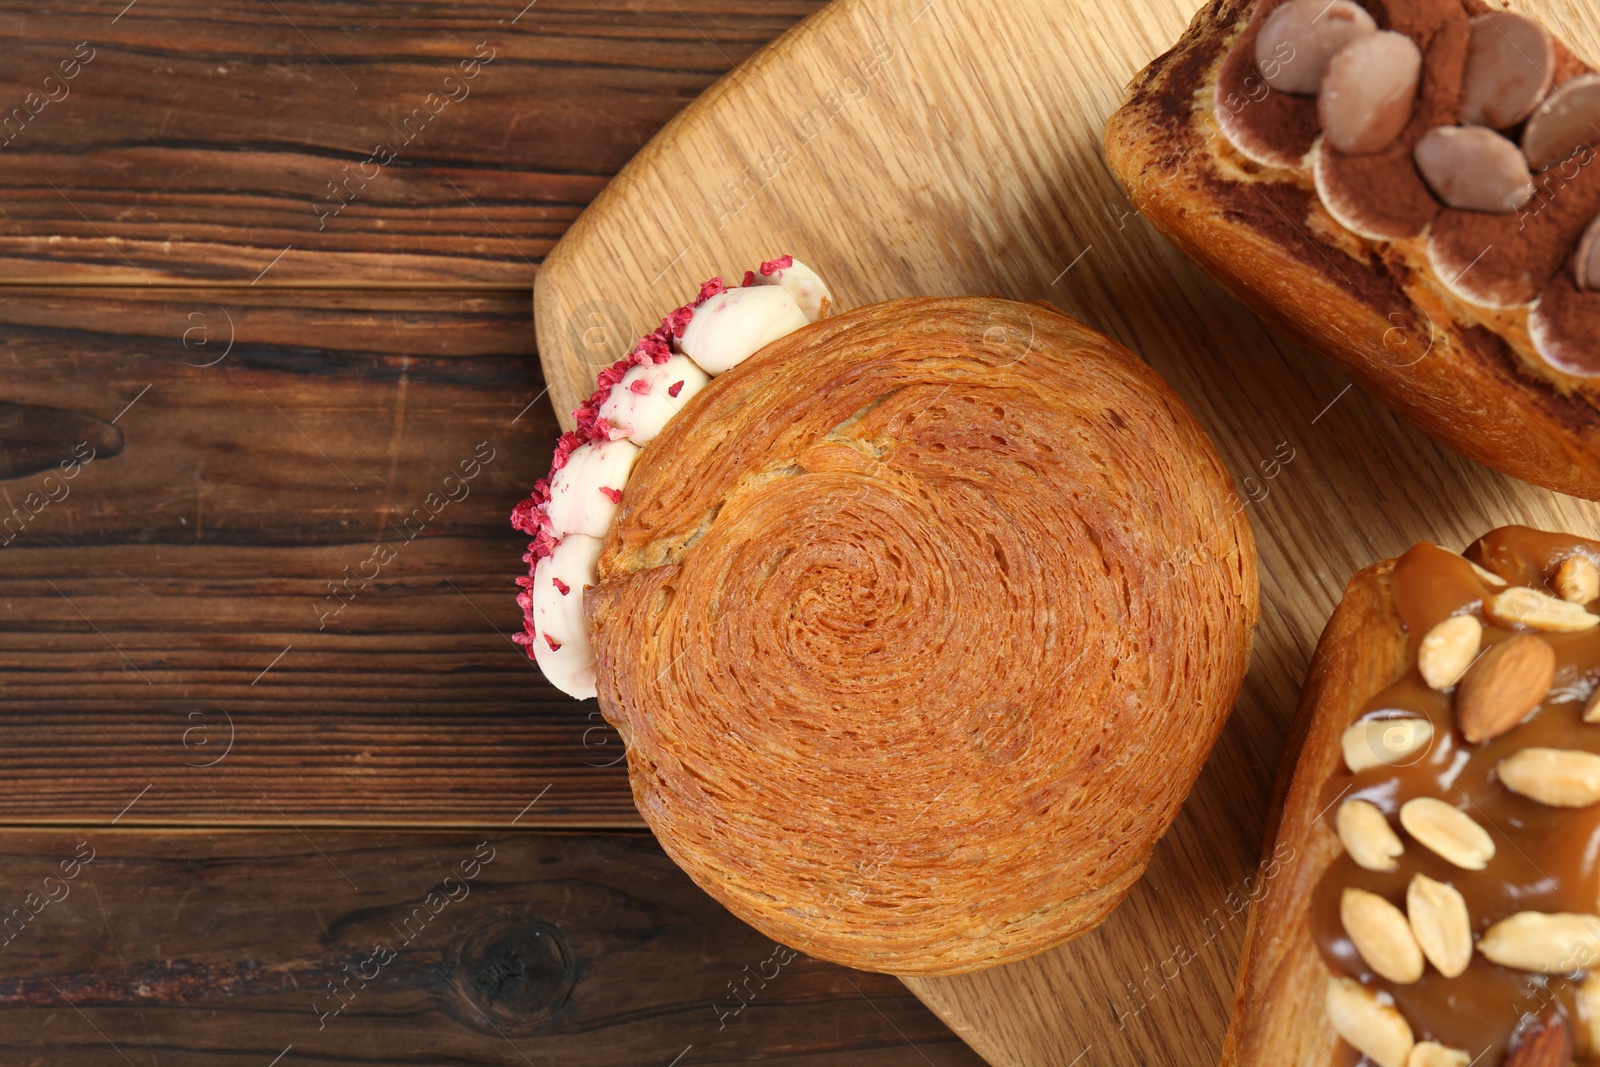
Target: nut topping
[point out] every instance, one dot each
(1521, 606)
(1375, 742)
(1564, 123)
(1544, 1044)
(1367, 836)
(1586, 261)
(1431, 1054)
(1369, 90)
(1447, 832)
(1298, 38)
(1506, 683)
(1372, 1028)
(1381, 935)
(1474, 169)
(1511, 62)
(1559, 777)
(1591, 710)
(1578, 580)
(1488, 576)
(1547, 943)
(1448, 650)
(1440, 924)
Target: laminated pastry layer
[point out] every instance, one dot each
(918, 626)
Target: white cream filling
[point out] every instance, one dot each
(581, 493)
(640, 415)
(558, 615)
(737, 323)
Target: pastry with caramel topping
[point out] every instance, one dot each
(1444, 809)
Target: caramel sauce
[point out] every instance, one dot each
(1546, 859)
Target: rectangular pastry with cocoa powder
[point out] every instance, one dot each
(1406, 187)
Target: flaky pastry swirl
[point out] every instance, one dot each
(918, 626)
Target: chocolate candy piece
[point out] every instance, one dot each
(1474, 169)
(1568, 119)
(1586, 263)
(1297, 40)
(1369, 90)
(1511, 63)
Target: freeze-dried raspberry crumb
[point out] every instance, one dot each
(676, 321)
(561, 587)
(749, 279)
(639, 387)
(555, 646)
(531, 516)
(525, 516)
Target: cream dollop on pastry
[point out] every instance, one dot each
(810, 292)
(640, 405)
(563, 650)
(570, 512)
(735, 324)
(585, 493)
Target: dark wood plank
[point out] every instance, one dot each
(206, 581)
(174, 948)
(198, 140)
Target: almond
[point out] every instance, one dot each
(1366, 834)
(1544, 1044)
(1506, 683)
(1376, 742)
(1544, 942)
(1447, 832)
(1371, 1027)
(1440, 923)
(1522, 606)
(1381, 935)
(1578, 580)
(1559, 777)
(1493, 579)
(1431, 1054)
(1448, 650)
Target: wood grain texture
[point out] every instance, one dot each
(968, 161)
(282, 549)
(180, 948)
(195, 142)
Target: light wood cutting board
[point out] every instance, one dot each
(953, 147)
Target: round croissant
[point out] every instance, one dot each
(919, 625)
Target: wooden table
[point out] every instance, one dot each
(275, 786)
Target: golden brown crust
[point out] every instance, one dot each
(919, 625)
(1464, 376)
(1278, 1018)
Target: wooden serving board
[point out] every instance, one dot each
(908, 147)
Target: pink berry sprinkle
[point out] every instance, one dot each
(531, 516)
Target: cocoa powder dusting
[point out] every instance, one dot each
(1386, 184)
(1507, 259)
(1572, 316)
(1277, 126)
(1513, 257)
